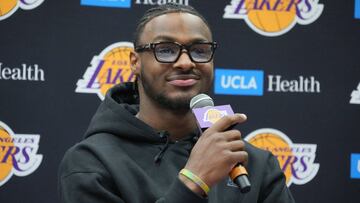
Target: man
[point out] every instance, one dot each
(134, 153)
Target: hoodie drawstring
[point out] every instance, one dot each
(159, 156)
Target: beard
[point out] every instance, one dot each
(179, 104)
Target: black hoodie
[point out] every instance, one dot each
(122, 159)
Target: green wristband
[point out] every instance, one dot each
(196, 180)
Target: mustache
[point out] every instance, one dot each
(183, 75)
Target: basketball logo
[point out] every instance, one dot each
(275, 144)
(5, 166)
(110, 67)
(213, 115)
(18, 154)
(8, 7)
(274, 17)
(295, 160)
(116, 67)
(272, 21)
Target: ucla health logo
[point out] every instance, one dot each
(355, 166)
(18, 154)
(357, 9)
(161, 2)
(274, 17)
(239, 82)
(26, 72)
(110, 67)
(107, 3)
(296, 160)
(127, 3)
(8, 7)
(355, 95)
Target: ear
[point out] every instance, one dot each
(135, 62)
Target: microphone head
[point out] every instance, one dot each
(200, 101)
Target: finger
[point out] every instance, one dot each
(240, 157)
(232, 135)
(236, 146)
(227, 121)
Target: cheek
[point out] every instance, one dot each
(208, 72)
(207, 77)
(148, 68)
(153, 72)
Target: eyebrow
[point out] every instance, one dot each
(171, 39)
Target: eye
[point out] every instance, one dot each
(165, 49)
(201, 49)
(198, 50)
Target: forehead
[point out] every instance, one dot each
(180, 27)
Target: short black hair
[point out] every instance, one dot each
(161, 10)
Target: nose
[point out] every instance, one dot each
(184, 61)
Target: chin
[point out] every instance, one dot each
(186, 95)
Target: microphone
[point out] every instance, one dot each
(207, 114)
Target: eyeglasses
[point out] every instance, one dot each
(169, 52)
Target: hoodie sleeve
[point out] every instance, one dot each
(274, 187)
(179, 193)
(90, 188)
(84, 179)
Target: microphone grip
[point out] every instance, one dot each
(239, 176)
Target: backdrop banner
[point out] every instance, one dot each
(293, 67)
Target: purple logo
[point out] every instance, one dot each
(9, 7)
(207, 116)
(110, 67)
(274, 18)
(18, 154)
(297, 161)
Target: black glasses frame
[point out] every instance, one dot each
(152, 46)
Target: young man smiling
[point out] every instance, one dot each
(147, 148)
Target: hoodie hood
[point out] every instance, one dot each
(116, 115)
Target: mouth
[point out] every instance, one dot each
(183, 80)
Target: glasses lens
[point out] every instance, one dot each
(166, 52)
(201, 52)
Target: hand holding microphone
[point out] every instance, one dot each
(219, 149)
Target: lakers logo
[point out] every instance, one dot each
(18, 154)
(8, 7)
(274, 17)
(110, 67)
(295, 160)
(213, 115)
